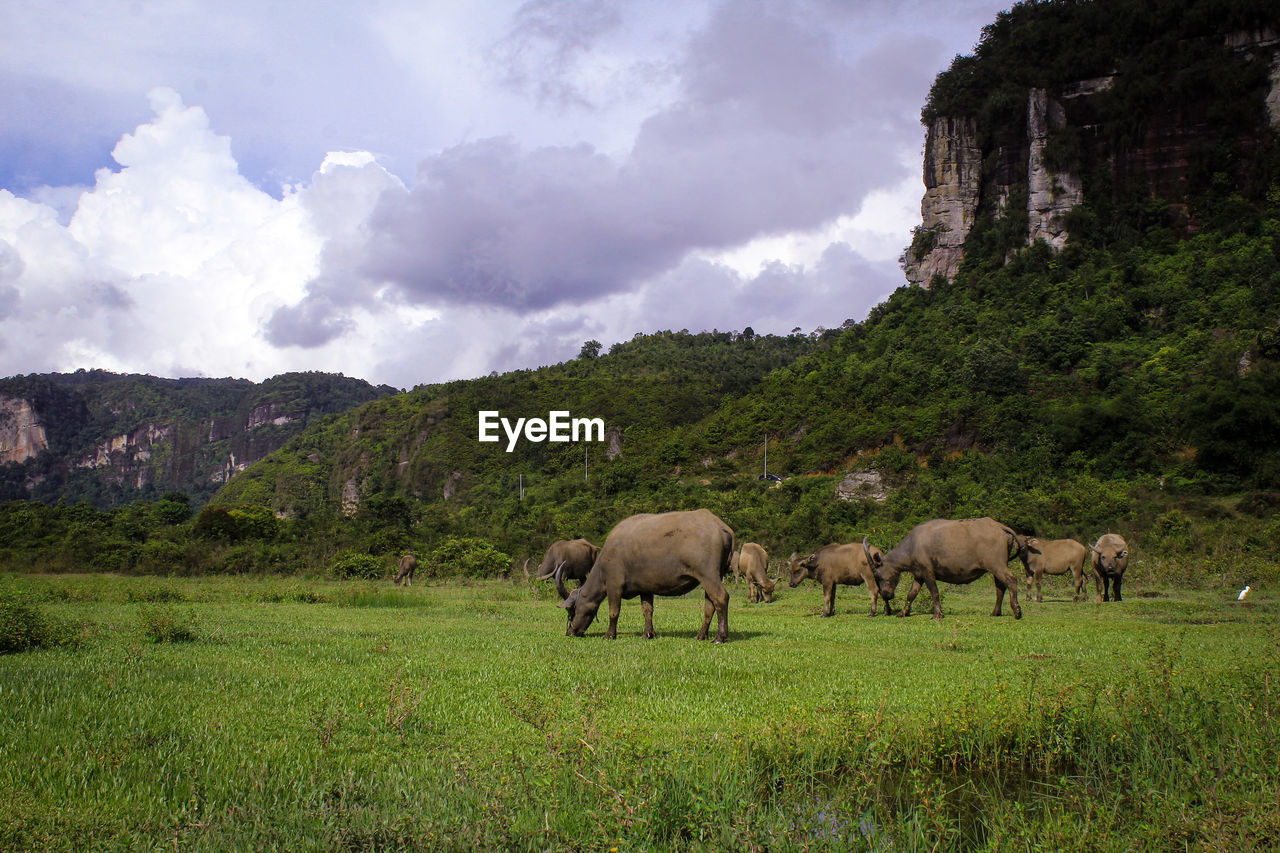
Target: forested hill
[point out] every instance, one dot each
(111, 438)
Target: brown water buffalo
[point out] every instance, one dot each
(665, 554)
(568, 559)
(1054, 557)
(753, 562)
(1110, 559)
(408, 564)
(850, 565)
(951, 551)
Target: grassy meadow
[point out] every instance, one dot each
(285, 713)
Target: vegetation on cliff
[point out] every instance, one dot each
(113, 438)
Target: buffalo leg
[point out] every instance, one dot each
(1005, 580)
(828, 599)
(646, 607)
(1115, 587)
(615, 608)
(717, 602)
(875, 601)
(911, 596)
(933, 592)
(1097, 584)
(1039, 592)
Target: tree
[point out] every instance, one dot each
(590, 349)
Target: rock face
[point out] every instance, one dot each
(21, 435)
(952, 180)
(862, 484)
(972, 171)
(1050, 194)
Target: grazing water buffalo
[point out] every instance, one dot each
(408, 563)
(1054, 557)
(753, 562)
(647, 555)
(1110, 559)
(953, 552)
(840, 564)
(568, 559)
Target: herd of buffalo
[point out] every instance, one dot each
(671, 553)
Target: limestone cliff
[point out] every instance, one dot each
(952, 179)
(110, 438)
(1139, 130)
(21, 435)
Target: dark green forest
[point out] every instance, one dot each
(1129, 383)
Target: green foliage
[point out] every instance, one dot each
(467, 558)
(24, 626)
(358, 566)
(165, 624)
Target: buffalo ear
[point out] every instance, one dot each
(1121, 555)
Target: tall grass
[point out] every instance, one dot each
(467, 720)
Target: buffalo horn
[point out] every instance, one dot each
(560, 588)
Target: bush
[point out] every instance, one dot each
(361, 566)
(165, 625)
(24, 626)
(469, 558)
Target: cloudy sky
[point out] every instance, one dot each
(417, 190)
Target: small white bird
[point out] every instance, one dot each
(1243, 593)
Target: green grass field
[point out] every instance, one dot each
(282, 713)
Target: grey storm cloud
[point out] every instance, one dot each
(775, 128)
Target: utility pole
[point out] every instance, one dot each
(584, 462)
(521, 485)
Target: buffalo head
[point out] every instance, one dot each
(801, 569)
(886, 575)
(580, 613)
(1111, 560)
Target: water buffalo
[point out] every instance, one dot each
(953, 552)
(568, 559)
(839, 564)
(408, 563)
(647, 555)
(753, 562)
(1110, 559)
(1054, 557)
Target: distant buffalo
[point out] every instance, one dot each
(408, 564)
(1110, 559)
(1055, 557)
(850, 565)
(568, 559)
(753, 562)
(647, 555)
(951, 551)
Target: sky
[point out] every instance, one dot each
(412, 191)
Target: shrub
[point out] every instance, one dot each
(24, 626)
(164, 624)
(470, 558)
(362, 566)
